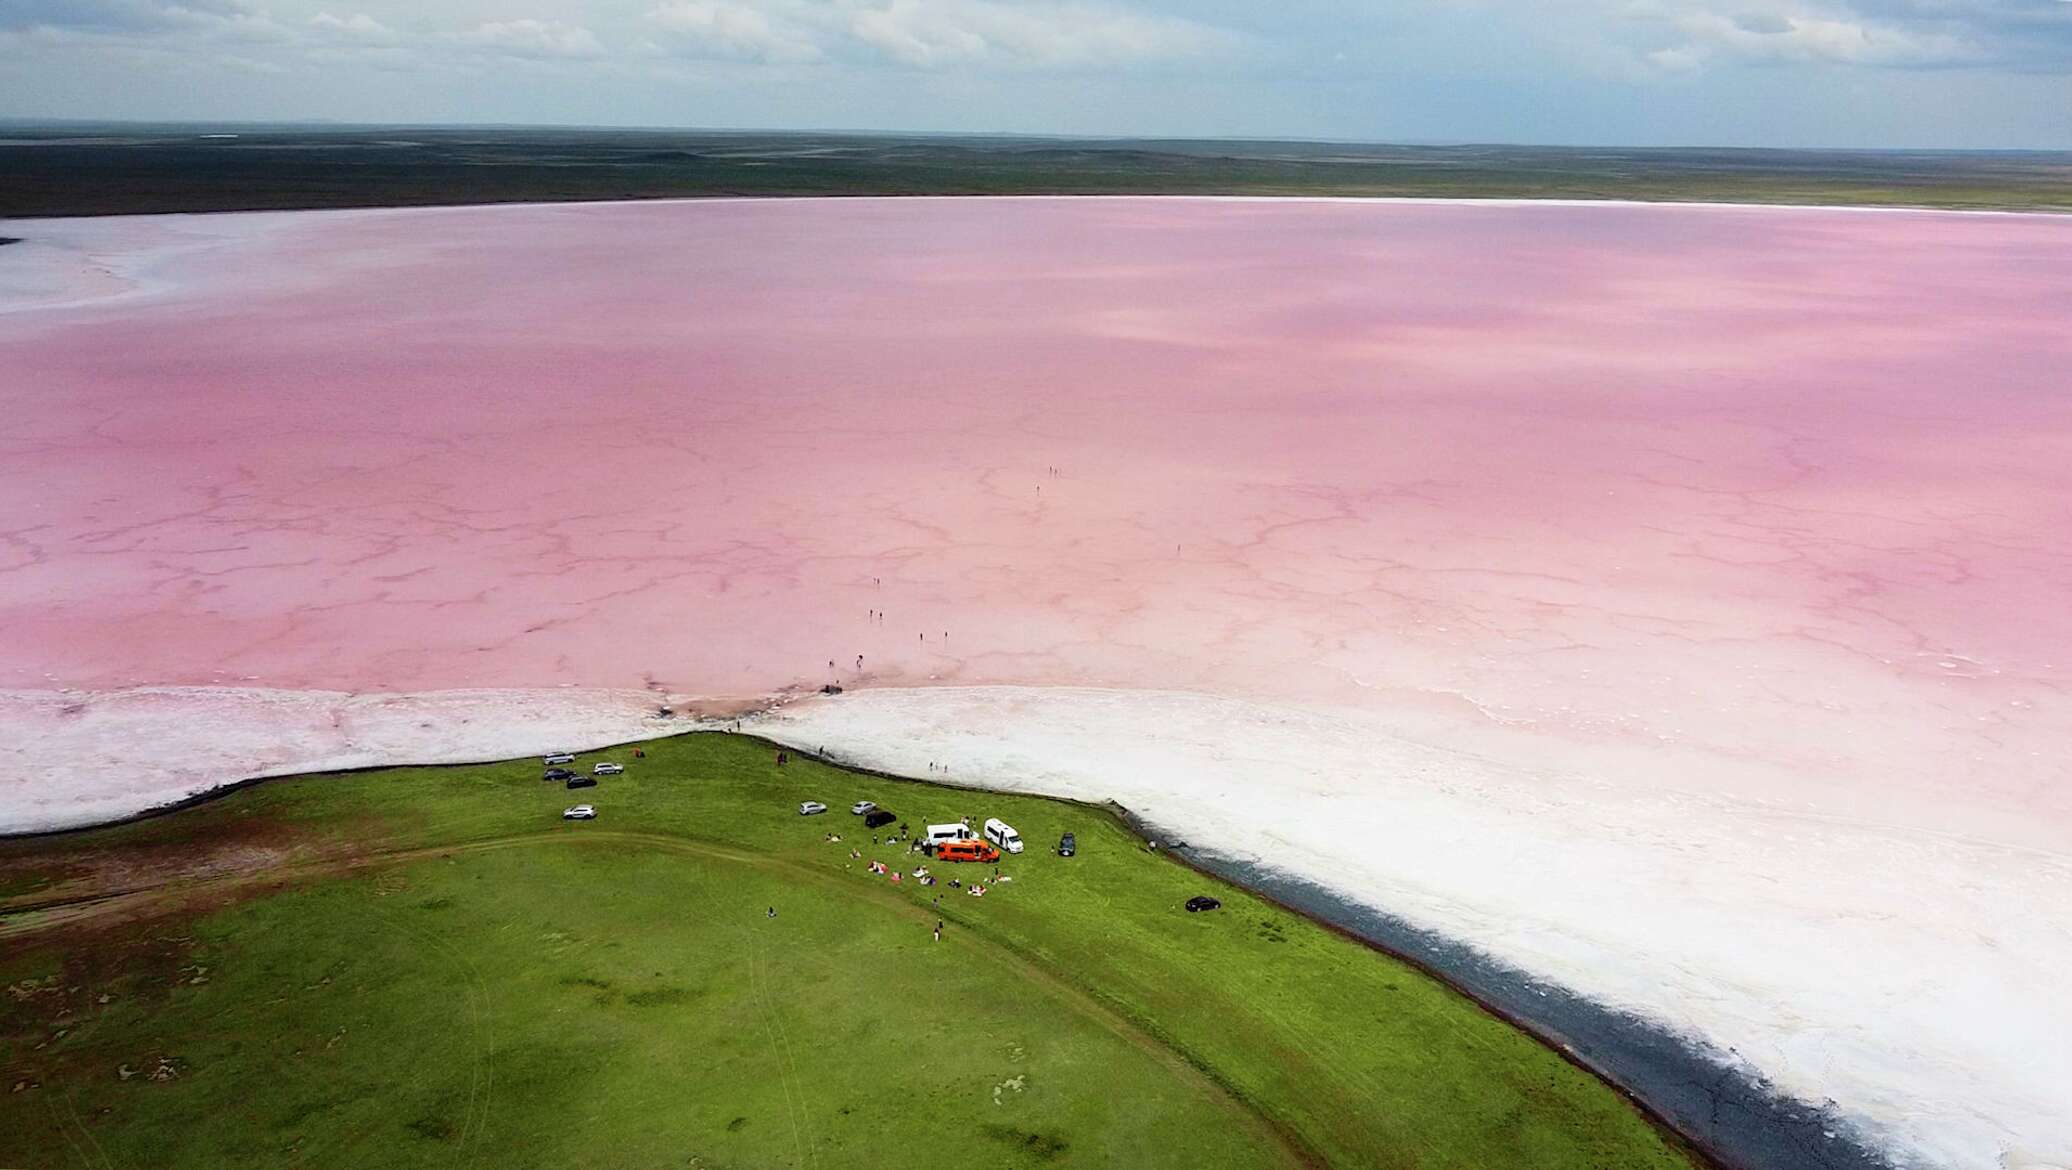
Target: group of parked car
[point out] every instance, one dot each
(957, 837)
(955, 841)
(558, 769)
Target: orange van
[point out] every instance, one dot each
(968, 850)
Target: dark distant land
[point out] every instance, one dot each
(105, 169)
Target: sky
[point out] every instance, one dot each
(1869, 73)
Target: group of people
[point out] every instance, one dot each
(920, 873)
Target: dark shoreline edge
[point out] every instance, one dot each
(1729, 1113)
(1726, 1116)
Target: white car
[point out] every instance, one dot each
(808, 807)
(558, 758)
(864, 806)
(581, 812)
(608, 769)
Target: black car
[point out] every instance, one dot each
(1068, 845)
(556, 774)
(582, 781)
(1201, 902)
(878, 817)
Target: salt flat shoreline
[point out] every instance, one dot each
(1413, 848)
(137, 285)
(1716, 1099)
(105, 758)
(1749, 1127)
(1724, 1108)
(18, 222)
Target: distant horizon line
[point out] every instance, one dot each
(345, 125)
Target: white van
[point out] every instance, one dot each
(1001, 833)
(937, 834)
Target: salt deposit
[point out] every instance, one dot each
(1902, 970)
(99, 757)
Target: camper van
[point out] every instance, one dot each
(1001, 833)
(969, 849)
(937, 834)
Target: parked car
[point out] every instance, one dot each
(582, 781)
(581, 812)
(607, 769)
(1067, 845)
(556, 774)
(1201, 902)
(808, 807)
(863, 807)
(879, 818)
(954, 831)
(559, 758)
(1001, 833)
(968, 849)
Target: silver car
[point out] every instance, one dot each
(809, 807)
(581, 812)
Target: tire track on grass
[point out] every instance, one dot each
(72, 1108)
(780, 1048)
(779, 1041)
(1113, 1017)
(481, 1071)
(59, 1120)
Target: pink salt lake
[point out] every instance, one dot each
(1761, 505)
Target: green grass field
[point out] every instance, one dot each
(426, 966)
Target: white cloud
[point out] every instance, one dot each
(1679, 60)
(729, 29)
(357, 27)
(118, 16)
(1679, 36)
(534, 38)
(1793, 34)
(929, 33)
(250, 65)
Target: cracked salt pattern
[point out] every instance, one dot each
(1672, 598)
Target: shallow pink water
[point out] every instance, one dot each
(1620, 471)
(1733, 542)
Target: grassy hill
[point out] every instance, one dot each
(427, 966)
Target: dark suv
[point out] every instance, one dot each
(582, 781)
(1068, 845)
(879, 817)
(556, 774)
